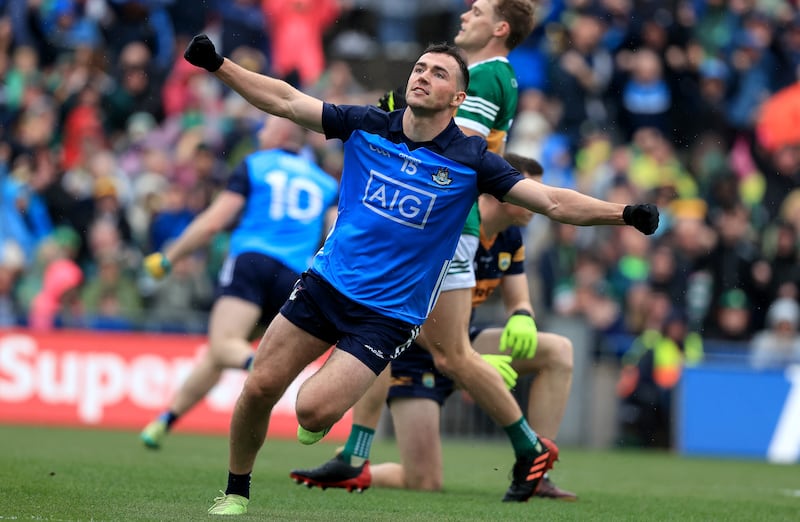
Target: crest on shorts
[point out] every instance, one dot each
(504, 261)
(442, 177)
(428, 380)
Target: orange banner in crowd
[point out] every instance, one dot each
(121, 381)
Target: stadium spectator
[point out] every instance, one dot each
(243, 24)
(181, 302)
(646, 96)
(296, 29)
(144, 22)
(171, 218)
(57, 304)
(715, 26)
(779, 344)
(651, 369)
(779, 258)
(655, 164)
(730, 318)
(25, 219)
(62, 243)
(753, 67)
(711, 102)
(12, 263)
(581, 74)
(137, 88)
(632, 264)
(731, 259)
(104, 204)
(189, 17)
(111, 299)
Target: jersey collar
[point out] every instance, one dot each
(441, 141)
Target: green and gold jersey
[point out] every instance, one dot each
(489, 110)
(491, 101)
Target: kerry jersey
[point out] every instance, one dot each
(496, 258)
(287, 197)
(401, 208)
(491, 101)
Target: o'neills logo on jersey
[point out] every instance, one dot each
(442, 177)
(398, 201)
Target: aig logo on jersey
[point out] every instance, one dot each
(398, 201)
(442, 177)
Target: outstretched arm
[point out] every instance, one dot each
(565, 205)
(574, 208)
(208, 223)
(199, 232)
(271, 95)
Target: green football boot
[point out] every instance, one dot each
(229, 505)
(153, 434)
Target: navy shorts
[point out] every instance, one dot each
(258, 279)
(374, 339)
(414, 376)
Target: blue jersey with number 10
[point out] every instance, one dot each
(287, 196)
(401, 208)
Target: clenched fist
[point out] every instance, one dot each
(643, 217)
(202, 53)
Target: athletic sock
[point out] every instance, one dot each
(523, 439)
(358, 445)
(169, 418)
(238, 485)
(248, 364)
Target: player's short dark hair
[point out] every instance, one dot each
(525, 165)
(519, 15)
(455, 52)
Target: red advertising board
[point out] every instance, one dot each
(121, 380)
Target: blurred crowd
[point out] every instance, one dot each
(110, 143)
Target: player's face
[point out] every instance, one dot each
(433, 84)
(477, 25)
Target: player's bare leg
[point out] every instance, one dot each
(325, 397)
(231, 322)
(549, 392)
(552, 366)
(416, 424)
(350, 469)
(285, 350)
(368, 409)
(446, 335)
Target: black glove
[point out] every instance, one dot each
(201, 53)
(392, 100)
(643, 217)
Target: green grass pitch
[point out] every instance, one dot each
(69, 474)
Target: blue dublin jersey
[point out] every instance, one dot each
(287, 196)
(402, 206)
